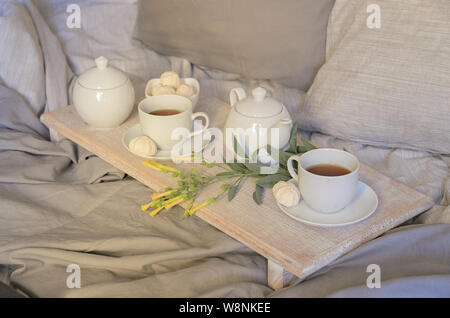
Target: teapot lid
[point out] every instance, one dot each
(102, 76)
(258, 105)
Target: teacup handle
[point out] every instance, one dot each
(291, 167)
(206, 117)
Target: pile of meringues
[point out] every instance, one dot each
(170, 84)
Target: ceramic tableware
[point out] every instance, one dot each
(192, 82)
(258, 113)
(163, 129)
(136, 131)
(326, 194)
(364, 204)
(103, 96)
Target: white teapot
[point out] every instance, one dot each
(103, 96)
(256, 112)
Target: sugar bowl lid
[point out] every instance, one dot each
(259, 105)
(102, 76)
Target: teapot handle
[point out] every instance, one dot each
(237, 94)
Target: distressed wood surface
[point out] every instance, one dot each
(298, 248)
(277, 276)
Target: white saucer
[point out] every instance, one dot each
(136, 131)
(364, 204)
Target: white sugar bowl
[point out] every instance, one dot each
(103, 96)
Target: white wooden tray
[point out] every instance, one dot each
(288, 245)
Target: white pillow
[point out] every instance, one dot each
(388, 86)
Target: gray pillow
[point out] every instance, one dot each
(259, 39)
(387, 86)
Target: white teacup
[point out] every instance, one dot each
(159, 127)
(326, 194)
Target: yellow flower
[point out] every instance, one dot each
(175, 202)
(186, 211)
(155, 211)
(145, 207)
(150, 165)
(162, 194)
(168, 204)
(159, 166)
(192, 158)
(202, 205)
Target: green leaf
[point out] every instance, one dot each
(223, 174)
(283, 171)
(255, 167)
(232, 191)
(254, 156)
(238, 150)
(293, 139)
(307, 146)
(238, 167)
(283, 156)
(258, 195)
(271, 180)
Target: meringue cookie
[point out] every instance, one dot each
(170, 79)
(286, 193)
(185, 90)
(160, 89)
(143, 145)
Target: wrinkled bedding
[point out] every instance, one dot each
(61, 205)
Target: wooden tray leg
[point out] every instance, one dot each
(277, 277)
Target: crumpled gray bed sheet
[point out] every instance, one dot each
(61, 205)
